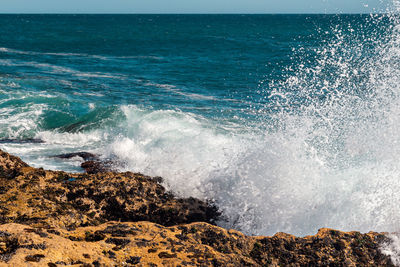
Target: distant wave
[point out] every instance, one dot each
(22, 52)
(56, 69)
(89, 94)
(63, 54)
(176, 90)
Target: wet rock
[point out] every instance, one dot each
(92, 163)
(84, 155)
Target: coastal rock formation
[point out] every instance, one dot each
(58, 199)
(51, 218)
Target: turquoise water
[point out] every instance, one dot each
(288, 122)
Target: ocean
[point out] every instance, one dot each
(286, 122)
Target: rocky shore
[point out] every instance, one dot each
(53, 218)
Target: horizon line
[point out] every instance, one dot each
(209, 13)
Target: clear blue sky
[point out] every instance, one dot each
(192, 6)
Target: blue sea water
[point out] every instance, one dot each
(287, 122)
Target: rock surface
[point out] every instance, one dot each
(83, 155)
(57, 199)
(50, 218)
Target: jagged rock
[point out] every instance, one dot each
(52, 219)
(97, 166)
(10, 167)
(59, 199)
(196, 244)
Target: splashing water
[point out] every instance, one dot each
(391, 248)
(329, 157)
(330, 154)
(316, 147)
(326, 156)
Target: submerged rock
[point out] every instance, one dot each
(84, 155)
(51, 218)
(92, 163)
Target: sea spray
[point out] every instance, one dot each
(330, 159)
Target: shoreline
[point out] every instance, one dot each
(55, 218)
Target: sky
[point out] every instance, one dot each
(193, 6)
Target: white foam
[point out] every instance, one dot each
(392, 248)
(175, 145)
(72, 140)
(262, 183)
(99, 75)
(18, 122)
(8, 50)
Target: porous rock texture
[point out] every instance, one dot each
(50, 218)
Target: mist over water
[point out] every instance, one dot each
(291, 128)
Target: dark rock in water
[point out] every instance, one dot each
(21, 141)
(97, 166)
(84, 155)
(92, 162)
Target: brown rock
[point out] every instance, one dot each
(207, 245)
(96, 166)
(58, 199)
